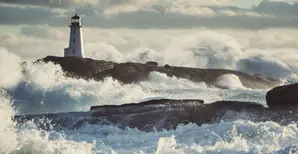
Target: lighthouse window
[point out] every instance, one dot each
(73, 40)
(73, 50)
(73, 31)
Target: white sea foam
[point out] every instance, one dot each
(229, 81)
(7, 136)
(10, 72)
(32, 140)
(172, 87)
(239, 136)
(45, 89)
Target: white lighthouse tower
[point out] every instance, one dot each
(76, 46)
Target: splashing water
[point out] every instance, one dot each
(229, 81)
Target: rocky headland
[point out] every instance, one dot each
(130, 72)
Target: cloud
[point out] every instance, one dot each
(31, 45)
(24, 15)
(112, 3)
(159, 14)
(44, 31)
(49, 3)
(176, 18)
(31, 48)
(93, 35)
(278, 8)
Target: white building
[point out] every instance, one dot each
(76, 46)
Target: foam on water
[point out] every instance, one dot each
(226, 137)
(7, 136)
(229, 81)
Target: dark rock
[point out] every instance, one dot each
(163, 114)
(151, 64)
(283, 96)
(134, 72)
(142, 107)
(167, 66)
(169, 102)
(80, 67)
(129, 72)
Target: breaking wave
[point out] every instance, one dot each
(229, 81)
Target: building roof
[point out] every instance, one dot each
(75, 17)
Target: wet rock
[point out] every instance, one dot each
(167, 66)
(151, 65)
(163, 114)
(283, 96)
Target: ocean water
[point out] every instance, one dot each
(42, 88)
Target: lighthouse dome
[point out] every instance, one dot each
(76, 17)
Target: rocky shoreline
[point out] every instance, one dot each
(130, 72)
(163, 114)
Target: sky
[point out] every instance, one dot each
(161, 14)
(245, 4)
(35, 28)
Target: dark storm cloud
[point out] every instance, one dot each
(66, 3)
(277, 8)
(47, 3)
(146, 19)
(267, 14)
(24, 15)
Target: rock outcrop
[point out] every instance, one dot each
(134, 72)
(283, 96)
(163, 114)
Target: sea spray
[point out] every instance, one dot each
(30, 139)
(205, 50)
(103, 51)
(229, 81)
(240, 136)
(172, 87)
(8, 78)
(15, 140)
(10, 70)
(67, 95)
(211, 49)
(8, 139)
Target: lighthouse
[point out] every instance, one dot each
(76, 46)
